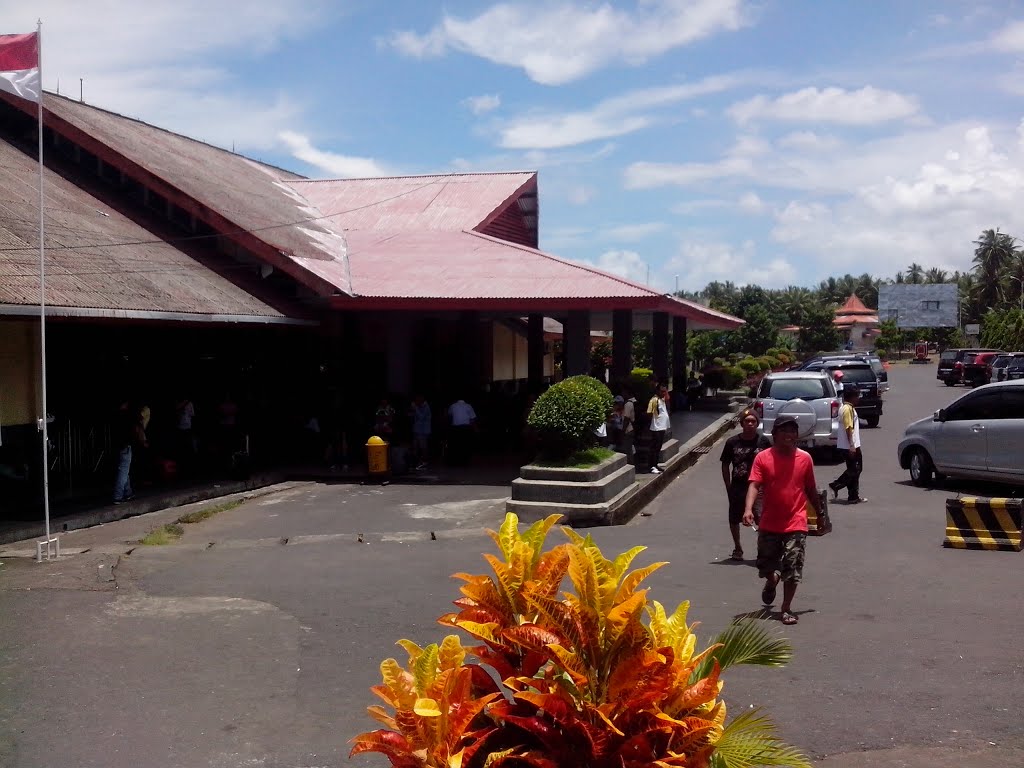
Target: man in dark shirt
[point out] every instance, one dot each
(737, 459)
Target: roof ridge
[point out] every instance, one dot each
(414, 176)
(168, 131)
(570, 262)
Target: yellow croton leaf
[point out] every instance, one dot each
(487, 632)
(506, 536)
(451, 653)
(411, 648)
(425, 707)
(424, 669)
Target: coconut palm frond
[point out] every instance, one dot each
(746, 642)
(749, 741)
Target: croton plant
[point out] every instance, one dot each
(594, 677)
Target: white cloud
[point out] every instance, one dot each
(610, 118)
(1010, 38)
(644, 175)
(700, 261)
(750, 202)
(633, 232)
(808, 141)
(627, 264)
(335, 165)
(532, 36)
(866, 106)
(478, 105)
(580, 194)
(170, 61)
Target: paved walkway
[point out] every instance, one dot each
(488, 471)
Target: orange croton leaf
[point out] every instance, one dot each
(532, 637)
(701, 692)
(394, 745)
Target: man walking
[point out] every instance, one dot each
(628, 423)
(737, 458)
(849, 442)
(785, 474)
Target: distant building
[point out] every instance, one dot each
(858, 324)
(920, 306)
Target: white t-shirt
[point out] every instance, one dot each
(659, 422)
(843, 441)
(461, 413)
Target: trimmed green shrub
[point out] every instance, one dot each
(773, 362)
(749, 365)
(733, 377)
(565, 416)
(596, 386)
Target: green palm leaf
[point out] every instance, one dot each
(746, 642)
(749, 741)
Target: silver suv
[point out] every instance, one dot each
(810, 396)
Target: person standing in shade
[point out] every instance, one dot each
(737, 459)
(785, 474)
(657, 410)
(849, 443)
(422, 423)
(462, 419)
(628, 423)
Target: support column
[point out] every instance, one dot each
(535, 352)
(469, 351)
(399, 354)
(576, 343)
(679, 353)
(622, 344)
(659, 347)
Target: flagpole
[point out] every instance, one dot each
(42, 296)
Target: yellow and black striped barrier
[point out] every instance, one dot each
(979, 523)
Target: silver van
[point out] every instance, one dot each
(810, 396)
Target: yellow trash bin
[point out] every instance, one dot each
(377, 456)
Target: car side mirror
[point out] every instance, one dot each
(940, 415)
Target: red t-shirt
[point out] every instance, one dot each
(786, 481)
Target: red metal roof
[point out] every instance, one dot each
(145, 277)
(854, 306)
(851, 319)
(451, 202)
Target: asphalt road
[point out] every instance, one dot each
(253, 642)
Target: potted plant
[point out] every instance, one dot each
(597, 678)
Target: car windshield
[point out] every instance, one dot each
(948, 356)
(1016, 364)
(1001, 361)
(791, 389)
(970, 357)
(858, 374)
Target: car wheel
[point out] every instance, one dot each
(921, 468)
(872, 421)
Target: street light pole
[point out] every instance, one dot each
(677, 285)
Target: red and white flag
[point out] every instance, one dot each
(19, 65)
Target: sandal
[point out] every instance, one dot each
(737, 554)
(789, 618)
(768, 593)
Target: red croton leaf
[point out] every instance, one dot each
(532, 637)
(390, 744)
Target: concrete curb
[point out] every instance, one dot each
(686, 458)
(144, 506)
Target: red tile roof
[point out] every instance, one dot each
(854, 306)
(149, 276)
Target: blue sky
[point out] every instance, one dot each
(771, 142)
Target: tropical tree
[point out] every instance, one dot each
(794, 302)
(867, 290)
(936, 275)
(993, 253)
(818, 332)
(915, 274)
(1013, 278)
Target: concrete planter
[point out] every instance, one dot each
(585, 497)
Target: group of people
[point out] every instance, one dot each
(623, 425)
(770, 484)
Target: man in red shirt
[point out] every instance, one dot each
(786, 475)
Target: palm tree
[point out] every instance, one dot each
(867, 290)
(970, 306)
(794, 302)
(1013, 276)
(936, 275)
(915, 274)
(993, 253)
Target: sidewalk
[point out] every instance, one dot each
(486, 472)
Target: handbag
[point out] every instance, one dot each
(819, 525)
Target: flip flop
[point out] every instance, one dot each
(768, 593)
(789, 618)
(737, 554)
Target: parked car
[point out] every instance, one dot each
(869, 357)
(951, 365)
(980, 436)
(857, 373)
(809, 395)
(977, 368)
(1001, 362)
(1015, 370)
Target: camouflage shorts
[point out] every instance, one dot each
(781, 553)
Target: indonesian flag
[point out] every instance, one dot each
(19, 65)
